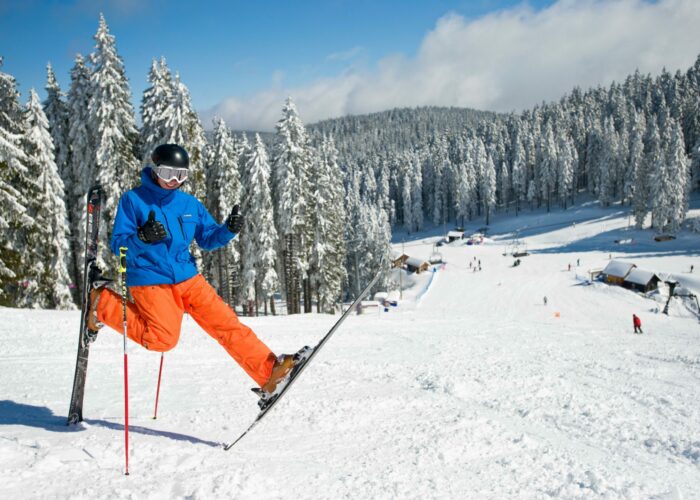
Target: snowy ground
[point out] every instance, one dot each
(476, 390)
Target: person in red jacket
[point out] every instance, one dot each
(637, 324)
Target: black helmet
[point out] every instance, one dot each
(170, 155)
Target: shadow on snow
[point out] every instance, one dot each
(12, 413)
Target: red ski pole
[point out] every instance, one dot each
(160, 372)
(122, 274)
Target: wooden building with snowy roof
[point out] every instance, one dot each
(616, 271)
(641, 280)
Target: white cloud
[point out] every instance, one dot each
(503, 61)
(345, 55)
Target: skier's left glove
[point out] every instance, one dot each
(234, 223)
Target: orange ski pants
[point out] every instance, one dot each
(155, 317)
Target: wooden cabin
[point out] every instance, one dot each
(641, 280)
(616, 271)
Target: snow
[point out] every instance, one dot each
(639, 276)
(618, 268)
(474, 390)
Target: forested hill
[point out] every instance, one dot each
(399, 128)
(636, 142)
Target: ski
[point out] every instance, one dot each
(90, 271)
(305, 356)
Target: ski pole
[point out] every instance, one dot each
(160, 372)
(122, 275)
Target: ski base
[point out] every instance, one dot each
(90, 272)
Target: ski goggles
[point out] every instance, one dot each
(168, 174)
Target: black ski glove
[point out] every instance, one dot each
(234, 223)
(152, 231)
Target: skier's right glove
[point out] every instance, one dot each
(152, 231)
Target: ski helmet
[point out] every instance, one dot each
(170, 155)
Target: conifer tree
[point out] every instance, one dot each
(154, 105)
(111, 120)
(565, 166)
(259, 238)
(223, 192)
(327, 217)
(13, 178)
(416, 191)
(290, 180)
(80, 169)
(677, 163)
(654, 160)
(635, 159)
(182, 126)
(488, 186)
(46, 277)
(56, 112)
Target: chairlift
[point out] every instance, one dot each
(435, 258)
(520, 250)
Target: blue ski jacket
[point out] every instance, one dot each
(184, 218)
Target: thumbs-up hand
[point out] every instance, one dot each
(234, 223)
(152, 231)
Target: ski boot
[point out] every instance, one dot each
(97, 283)
(285, 368)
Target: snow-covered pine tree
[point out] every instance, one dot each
(46, 280)
(374, 243)
(80, 169)
(13, 176)
(609, 163)
(327, 215)
(111, 120)
(566, 159)
(678, 189)
(259, 236)
(223, 192)
(488, 186)
(519, 169)
(182, 126)
(465, 189)
(547, 153)
(292, 158)
(655, 166)
(56, 112)
(406, 202)
(416, 190)
(154, 104)
(635, 160)
(505, 185)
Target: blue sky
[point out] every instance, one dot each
(239, 59)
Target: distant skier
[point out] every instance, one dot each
(578, 262)
(545, 300)
(157, 223)
(637, 324)
(691, 268)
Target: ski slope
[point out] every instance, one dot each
(473, 389)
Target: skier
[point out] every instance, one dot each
(691, 268)
(637, 324)
(545, 300)
(157, 222)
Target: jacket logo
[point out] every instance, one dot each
(187, 215)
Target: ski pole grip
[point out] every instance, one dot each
(122, 259)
